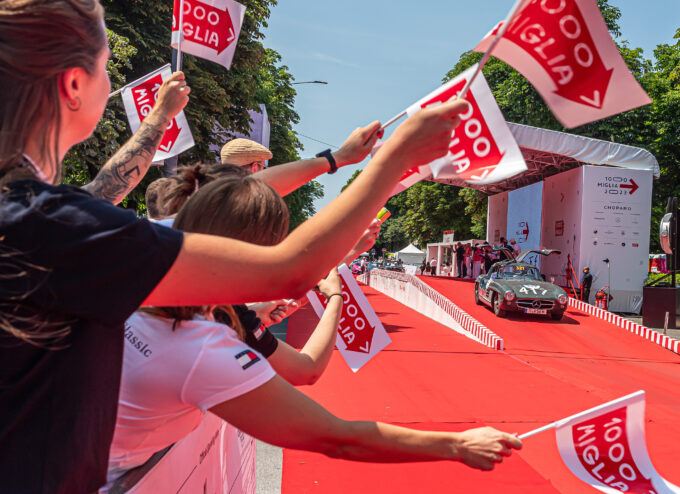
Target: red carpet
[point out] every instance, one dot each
(432, 377)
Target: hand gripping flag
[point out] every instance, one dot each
(210, 27)
(139, 97)
(563, 47)
(482, 148)
(605, 447)
(361, 335)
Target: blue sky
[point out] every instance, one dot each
(379, 56)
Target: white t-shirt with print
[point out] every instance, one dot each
(170, 378)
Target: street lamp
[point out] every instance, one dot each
(309, 82)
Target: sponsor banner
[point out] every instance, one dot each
(139, 97)
(215, 457)
(563, 47)
(615, 225)
(210, 27)
(524, 218)
(482, 148)
(361, 335)
(605, 447)
(448, 236)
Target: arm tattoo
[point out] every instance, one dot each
(121, 174)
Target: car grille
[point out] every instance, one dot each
(535, 304)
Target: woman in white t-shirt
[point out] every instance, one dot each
(176, 368)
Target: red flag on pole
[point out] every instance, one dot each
(210, 27)
(605, 447)
(361, 335)
(139, 97)
(563, 47)
(482, 148)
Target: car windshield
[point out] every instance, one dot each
(518, 271)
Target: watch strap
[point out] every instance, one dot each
(329, 156)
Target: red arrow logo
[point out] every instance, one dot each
(145, 95)
(474, 149)
(354, 328)
(205, 24)
(556, 36)
(170, 136)
(632, 186)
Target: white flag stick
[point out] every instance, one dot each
(540, 429)
(610, 404)
(116, 92)
(392, 120)
(181, 35)
(487, 54)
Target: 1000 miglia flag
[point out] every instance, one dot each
(139, 97)
(210, 27)
(563, 47)
(605, 448)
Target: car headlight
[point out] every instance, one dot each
(509, 296)
(562, 299)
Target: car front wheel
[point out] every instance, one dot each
(497, 306)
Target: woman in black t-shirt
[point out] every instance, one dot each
(74, 267)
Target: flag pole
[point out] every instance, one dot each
(609, 404)
(487, 54)
(116, 92)
(504, 27)
(180, 33)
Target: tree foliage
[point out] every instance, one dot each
(139, 37)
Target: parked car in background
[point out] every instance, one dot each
(517, 286)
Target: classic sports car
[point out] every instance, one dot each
(518, 286)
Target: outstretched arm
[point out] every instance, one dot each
(213, 270)
(305, 367)
(297, 422)
(121, 174)
(285, 178)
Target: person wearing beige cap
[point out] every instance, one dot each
(245, 153)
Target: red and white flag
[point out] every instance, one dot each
(139, 97)
(482, 148)
(361, 335)
(605, 447)
(563, 47)
(211, 28)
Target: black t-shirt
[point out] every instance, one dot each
(258, 337)
(67, 262)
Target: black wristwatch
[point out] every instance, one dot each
(329, 156)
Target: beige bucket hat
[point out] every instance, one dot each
(243, 152)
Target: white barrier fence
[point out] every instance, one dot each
(419, 296)
(649, 334)
(215, 458)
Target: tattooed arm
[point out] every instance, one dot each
(121, 174)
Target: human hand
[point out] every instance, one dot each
(173, 96)
(482, 448)
(358, 145)
(275, 311)
(331, 284)
(425, 136)
(367, 239)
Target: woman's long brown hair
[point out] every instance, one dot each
(40, 39)
(239, 207)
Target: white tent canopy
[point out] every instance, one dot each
(548, 152)
(411, 255)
